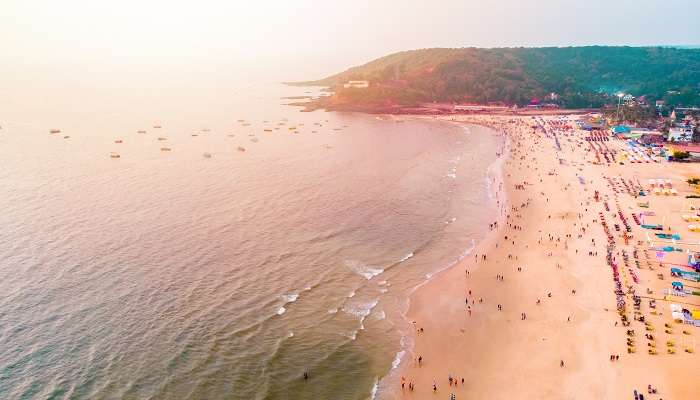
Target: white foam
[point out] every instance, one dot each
(375, 387)
(361, 311)
(290, 298)
(290, 334)
(383, 290)
(332, 311)
(281, 311)
(351, 295)
(397, 359)
(406, 257)
(362, 269)
(452, 175)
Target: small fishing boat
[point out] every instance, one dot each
(254, 140)
(66, 137)
(206, 130)
(114, 155)
(241, 149)
(165, 149)
(268, 130)
(118, 141)
(141, 131)
(162, 138)
(207, 155)
(157, 126)
(194, 135)
(54, 131)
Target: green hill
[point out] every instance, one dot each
(580, 76)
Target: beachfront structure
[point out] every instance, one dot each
(680, 134)
(356, 84)
(685, 315)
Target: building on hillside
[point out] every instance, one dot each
(356, 84)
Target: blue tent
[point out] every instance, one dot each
(621, 129)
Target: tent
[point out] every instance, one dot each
(620, 129)
(695, 314)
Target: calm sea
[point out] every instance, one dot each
(208, 272)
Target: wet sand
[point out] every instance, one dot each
(547, 259)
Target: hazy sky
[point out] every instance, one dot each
(297, 39)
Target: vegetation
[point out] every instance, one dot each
(633, 113)
(680, 155)
(693, 181)
(579, 76)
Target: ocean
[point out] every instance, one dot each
(264, 244)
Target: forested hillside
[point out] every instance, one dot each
(580, 76)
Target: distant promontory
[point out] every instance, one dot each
(566, 77)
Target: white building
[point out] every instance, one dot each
(680, 134)
(357, 84)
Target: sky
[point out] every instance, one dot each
(307, 39)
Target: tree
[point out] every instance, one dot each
(681, 155)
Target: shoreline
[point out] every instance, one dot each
(516, 351)
(495, 172)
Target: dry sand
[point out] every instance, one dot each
(501, 356)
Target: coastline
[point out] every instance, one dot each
(495, 173)
(544, 230)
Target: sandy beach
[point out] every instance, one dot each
(533, 313)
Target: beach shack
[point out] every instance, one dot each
(689, 275)
(684, 315)
(680, 134)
